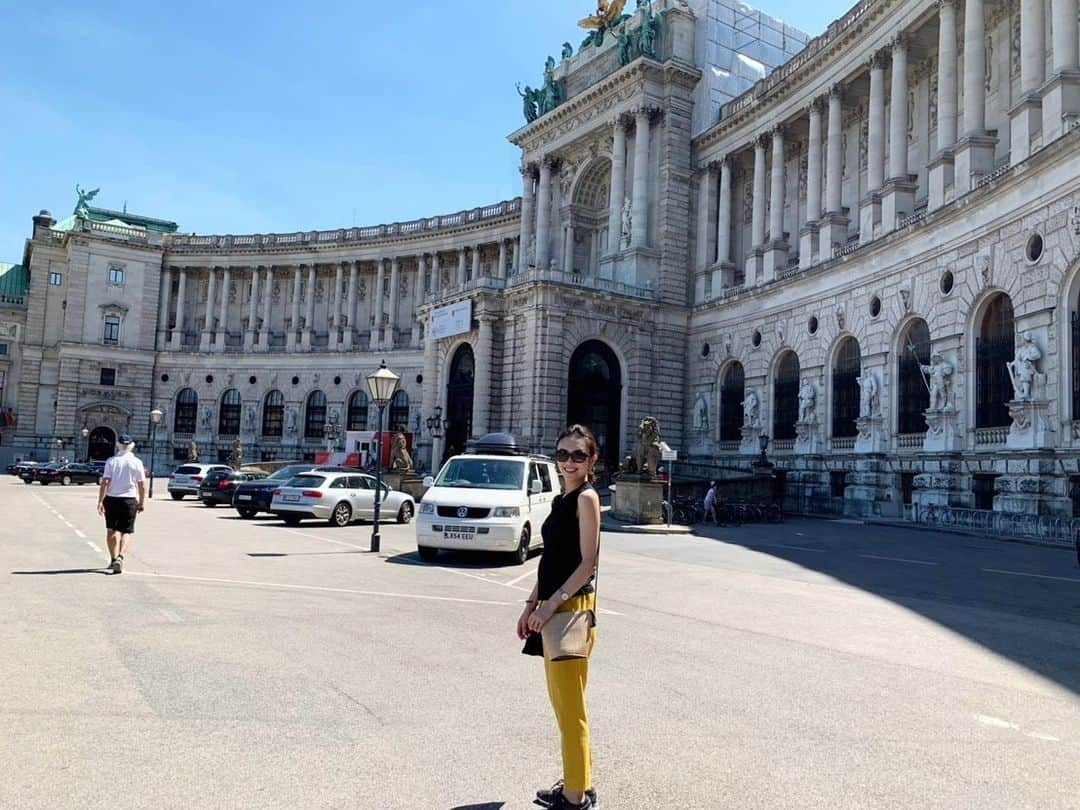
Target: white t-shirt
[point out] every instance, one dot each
(710, 498)
(124, 471)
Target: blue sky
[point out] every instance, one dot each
(243, 117)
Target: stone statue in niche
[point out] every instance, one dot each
(905, 298)
(751, 410)
(290, 420)
(192, 451)
(807, 402)
(938, 379)
(988, 67)
(868, 395)
(840, 318)
(207, 418)
(701, 414)
(399, 453)
(627, 223)
(249, 419)
(236, 455)
(1022, 369)
(648, 449)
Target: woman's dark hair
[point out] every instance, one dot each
(591, 445)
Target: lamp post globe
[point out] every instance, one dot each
(85, 433)
(155, 419)
(382, 385)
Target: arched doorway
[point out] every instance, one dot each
(586, 239)
(912, 396)
(594, 398)
(786, 396)
(847, 368)
(102, 444)
(459, 400)
(994, 350)
(732, 393)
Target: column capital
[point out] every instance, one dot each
(345, 265)
(837, 91)
(549, 162)
(528, 170)
(620, 121)
(945, 3)
(879, 60)
(761, 141)
(777, 131)
(817, 104)
(900, 41)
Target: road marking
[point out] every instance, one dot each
(326, 539)
(1026, 574)
(801, 548)
(1038, 735)
(771, 545)
(897, 559)
(996, 722)
(81, 534)
(319, 589)
(516, 580)
(94, 546)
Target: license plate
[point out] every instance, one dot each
(290, 497)
(243, 497)
(460, 533)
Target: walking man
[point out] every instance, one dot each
(710, 503)
(120, 499)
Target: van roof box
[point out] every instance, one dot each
(496, 444)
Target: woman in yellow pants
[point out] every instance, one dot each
(565, 583)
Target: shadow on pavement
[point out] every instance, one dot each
(103, 571)
(460, 559)
(302, 553)
(484, 806)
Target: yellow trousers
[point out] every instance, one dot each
(566, 681)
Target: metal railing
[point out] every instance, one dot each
(783, 445)
(582, 281)
(842, 443)
(1057, 530)
(991, 436)
(910, 441)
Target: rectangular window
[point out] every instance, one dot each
(836, 483)
(56, 279)
(108, 376)
(545, 476)
(907, 487)
(3, 349)
(982, 486)
(112, 330)
(116, 275)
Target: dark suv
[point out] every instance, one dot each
(63, 474)
(250, 498)
(218, 485)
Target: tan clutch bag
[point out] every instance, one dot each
(566, 635)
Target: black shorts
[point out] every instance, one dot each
(120, 514)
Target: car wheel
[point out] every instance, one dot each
(209, 504)
(404, 514)
(177, 496)
(25, 481)
(427, 553)
(44, 483)
(342, 515)
(66, 480)
(246, 514)
(291, 520)
(522, 554)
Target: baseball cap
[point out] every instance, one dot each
(125, 438)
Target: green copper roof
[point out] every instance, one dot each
(130, 220)
(14, 283)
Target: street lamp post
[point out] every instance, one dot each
(86, 442)
(155, 419)
(59, 449)
(382, 385)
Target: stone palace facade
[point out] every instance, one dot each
(869, 257)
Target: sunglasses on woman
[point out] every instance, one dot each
(577, 456)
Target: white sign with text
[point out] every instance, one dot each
(455, 319)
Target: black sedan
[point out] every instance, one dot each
(63, 474)
(255, 496)
(218, 485)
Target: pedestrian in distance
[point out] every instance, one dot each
(565, 584)
(710, 503)
(121, 497)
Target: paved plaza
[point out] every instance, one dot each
(243, 664)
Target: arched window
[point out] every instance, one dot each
(187, 412)
(229, 413)
(845, 389)
(273, 420)
(315, 415)
(1076, 364)
(912, 396)
(732, 392)
(357, 418)
(786, 396)
(399, 412)
(993, 349)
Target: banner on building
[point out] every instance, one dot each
(455, 319)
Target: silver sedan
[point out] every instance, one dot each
(338, 498)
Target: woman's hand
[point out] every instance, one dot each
(523, 621)
(540, 617)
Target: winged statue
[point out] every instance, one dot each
(607, 13)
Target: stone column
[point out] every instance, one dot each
(377, 306)
(618, 186)
(543, 215)
(500, 270)
(724, 274)
(462, 273)
(436, 277)
(975, 152)
(808, 235)
(418, 295)
(223, 312)
(940, 168)
(309, 309)
(1025, 116)
(528, 204)
(475, 263)
(757, 222)
(482, 399)
(207, 336)
(395, 282)
(639, 236)
(294, 324)
(705, 234)
(431, 397)
(335, 314)
(268, 301)
(515, 253)
(181, 299)
(898, 199)
(870, 205)
(833, 231)
(350, 308)
(164, 304)
(1061, 96)
(776, 252)
(253, 311)
(421, 271)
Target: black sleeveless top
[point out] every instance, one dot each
(562, 545)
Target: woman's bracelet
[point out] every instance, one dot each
(531, 601)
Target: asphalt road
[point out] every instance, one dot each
(814, 664)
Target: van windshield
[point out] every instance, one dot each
(480, 473)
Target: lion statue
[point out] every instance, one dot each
(648, 449)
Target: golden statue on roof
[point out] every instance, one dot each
(607, 13)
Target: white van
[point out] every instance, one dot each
(494, 498)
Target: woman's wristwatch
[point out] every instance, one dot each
(564, 596)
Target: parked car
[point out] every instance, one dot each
(187, 477)
(218, 486)
(338, 498)
(252, 497)
(494, 498)
(18, 468)
(65, 474)
(100, 467)
(29, 474)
